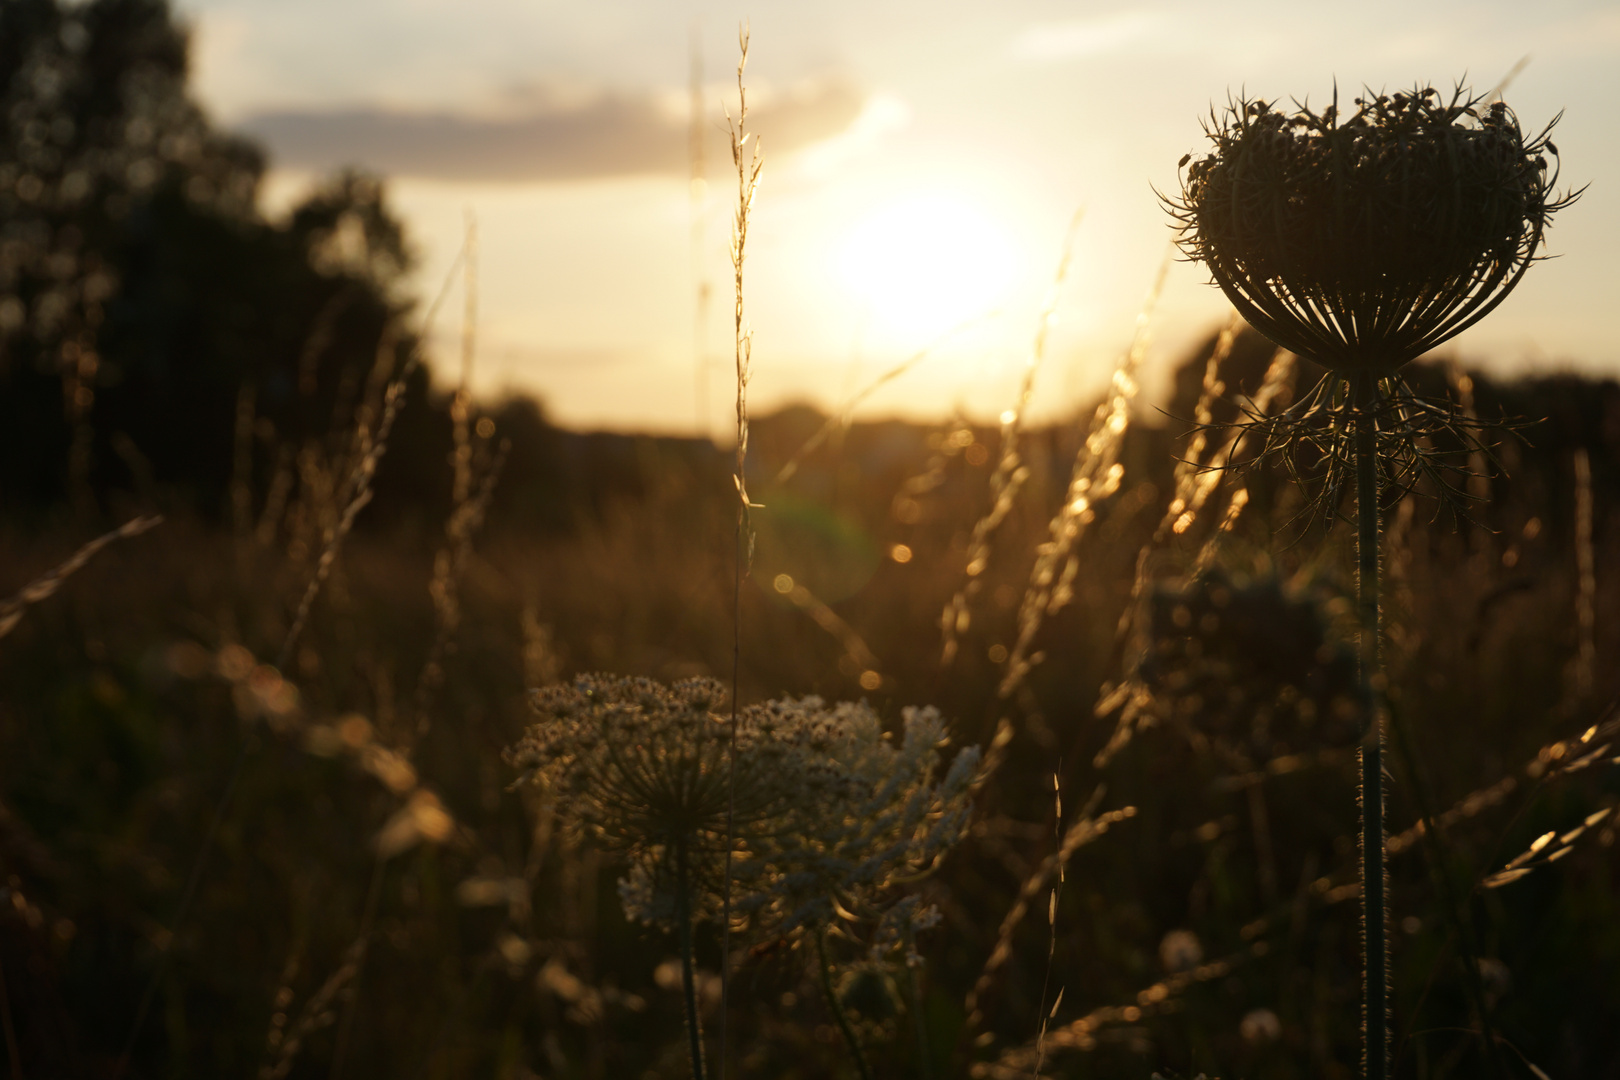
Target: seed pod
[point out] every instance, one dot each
(1363, 244)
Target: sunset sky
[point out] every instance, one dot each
(923, 162)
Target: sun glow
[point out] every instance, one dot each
(923, 264)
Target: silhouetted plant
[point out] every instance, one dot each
(819, 812)
(1362, 245)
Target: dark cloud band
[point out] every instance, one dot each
(610, 136)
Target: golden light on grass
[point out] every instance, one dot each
(921, 263)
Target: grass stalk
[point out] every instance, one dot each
(683, 918)
(370, 442)
(1010, 473)
(1374, 893)
(748, 161)
(851, 1040)
(13, 1057)
(1051, 923)
(919, 1018)
(1455, 910)
(46, 585)
(367, 920)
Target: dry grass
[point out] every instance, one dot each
(383, 901)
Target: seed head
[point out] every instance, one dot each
(640, 763)
(1364, 243)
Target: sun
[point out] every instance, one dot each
(922, 264)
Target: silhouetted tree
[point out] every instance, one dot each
(141, 289)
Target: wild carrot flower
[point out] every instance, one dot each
(829, 811)
(1365, 242)
(811, 811)
(640, 768)
(1361, 246)
(876, 812)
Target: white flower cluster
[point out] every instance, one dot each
(829, 813)
(875, 814)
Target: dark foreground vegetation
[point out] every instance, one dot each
(376, 899)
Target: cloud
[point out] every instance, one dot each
(611, 135)
(1086, 37)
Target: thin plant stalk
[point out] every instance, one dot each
(367, 921)
(748, 163)
(1374, 901)
(919, 1019)
(683, 917)
(1456, 911)
(46, 585)
(852, 1041)
(12, 1055)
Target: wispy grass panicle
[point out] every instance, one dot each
(840, 420)
(347, 494)
(1096, 475)
(1087, 826)
(856, 651)
(1010, 472)
(46, 585)
(749, 161)
(476, 461)
(1197, 474)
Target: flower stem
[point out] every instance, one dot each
(837, 1009)
(1374, 898)
(683, 916)
(919, 1018)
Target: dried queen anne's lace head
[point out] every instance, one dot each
(828, 811)
(1364, 243)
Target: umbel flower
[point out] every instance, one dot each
(822, 810)
(877, 812)
(829, 811)
(640, 768)
(1363, 243)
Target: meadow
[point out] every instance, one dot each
(273, 801)
(379, 900)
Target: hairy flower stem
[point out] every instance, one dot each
(1375, 915)
(837, 1009)
(683, 917)
(914, 984)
